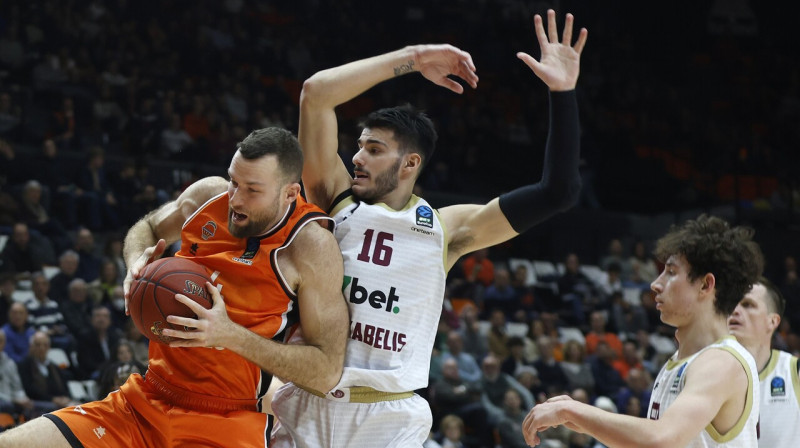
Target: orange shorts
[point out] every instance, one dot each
(137, 415)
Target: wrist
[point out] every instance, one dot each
(407, 60)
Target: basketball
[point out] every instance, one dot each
(152, 296)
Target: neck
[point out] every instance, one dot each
(397, 198)
(700, 333)
(760, 351)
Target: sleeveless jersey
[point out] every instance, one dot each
(256, 297)
(394, 286)
(671, 380)
(780, 402)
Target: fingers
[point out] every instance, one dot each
(540, 36)
(449, 84)
(566, 36)
(182, 321)
(552, 29)
(581, 40)
(467, 72)
(529, 61)
(216, 297)
(191, 304)
(158, 250)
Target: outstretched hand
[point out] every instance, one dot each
(437, 62)
(560, 61)
(208, 330)
(149, 255)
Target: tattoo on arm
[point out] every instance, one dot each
(402, 69)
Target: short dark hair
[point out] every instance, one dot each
(412, 128)
(711, 245)
(777, 303)
(278, 142)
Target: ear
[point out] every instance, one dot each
(709, 282)
(292, 192)
(774, 321)
(413, 161)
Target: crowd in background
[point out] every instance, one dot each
(95, 96)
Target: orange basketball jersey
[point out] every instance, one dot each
(255, 295)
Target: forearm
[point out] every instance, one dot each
(139, 237)
(560, 185)
(308, 365)
(616, 429)
(332, 87)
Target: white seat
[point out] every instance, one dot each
(544, 268)
(58, 357)
(595, 273)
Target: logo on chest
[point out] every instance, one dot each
(208, 230)
(376, 299)
(424, 216)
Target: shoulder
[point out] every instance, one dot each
(314, 239)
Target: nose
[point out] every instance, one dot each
(358, 159)
(656, 286)
(233, 199)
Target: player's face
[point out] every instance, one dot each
(253, 195)
(752, 320)
(675, 293)
(377, 165)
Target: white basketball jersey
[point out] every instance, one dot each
(671, 380)
(394, 286)
(780, 402)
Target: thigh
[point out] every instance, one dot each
(37, 433)
(242, 429)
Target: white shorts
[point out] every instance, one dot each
(306, 420)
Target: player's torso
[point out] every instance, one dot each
(671, 381)
(780, 402)
(394, 287)
(256, 297)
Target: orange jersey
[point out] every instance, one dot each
(256, 297)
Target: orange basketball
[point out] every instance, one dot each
(152, 296)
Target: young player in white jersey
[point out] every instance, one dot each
(397, 248)
(753, 322)
(707, 393)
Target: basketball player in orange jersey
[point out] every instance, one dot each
(275, 262)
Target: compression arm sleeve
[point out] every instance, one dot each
(560, 186)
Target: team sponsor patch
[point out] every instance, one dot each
(675, 384)
(424, 216)
(242, 260)
(777, 387)
(209, 230)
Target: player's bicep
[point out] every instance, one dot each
(167, 220)
(324, 173)
(471, 227)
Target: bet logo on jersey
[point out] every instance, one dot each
(376, 299)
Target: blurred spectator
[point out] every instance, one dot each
(18, 332)
(7, 286)
(475, 342)
(175, 140)
(101, 290)
(598, 333)
(524, 292)
(77, 309)
(494, 385)
(500, 295)
(516, 358)
(576, 290)
(113, 252)
(478, 268)
(575, 367)
(509, 426)
(468, 368)
(45, 315)
(626, 317)
(498, 334)
(453, 395)
(607, 381)
(51, 171)
(63, 128)
(630, 359)
(451, 430)
(138, 342)
(20, 256)
(114, 375)
(10, 114)
(98, 204)
(88, 262)
(615, 255)
(638, 385)
(12, 395)
(97, 344)
(36, 214)
(42, 380)
(59, 283)
(643, 267)
(609, 284)
(550, 372)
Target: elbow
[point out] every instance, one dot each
(328, 381)
(314, 89)
(566, 195)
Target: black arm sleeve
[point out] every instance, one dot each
(560, 186)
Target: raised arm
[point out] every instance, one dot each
(704, 401)
(477, 226)
(317, 362)
(148, 238)
(324, 174)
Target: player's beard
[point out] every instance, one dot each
(385, 183)
(257, 223)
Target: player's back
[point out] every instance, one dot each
(780, 402)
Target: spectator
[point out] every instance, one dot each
(101, 290)
(59, 283)
(36, 215)
(575, 367)
(18, 332)
(509, 426)
(630, 359)
(12, 395)
(97, 202)
(451, 431)
(50, 172)
(452, 395)
(77, 308)
(478, 268)
(610, 283)
(501, 295)
(498, 335)
(7, 286)
(44, 314)
(114, 375)
(468, 368)
(89, 262)
(175, 140)
(494, 385)
(615, 255)
(516, 358)
(643, 267)
(627, 318)
(598, 333)
(637, 385)
(138, 342)
(576, 290)
(475, 342)
(97, 344)
(607, 381)
(550, 371)
(42, 380)
(19, 256)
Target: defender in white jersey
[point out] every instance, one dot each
(397, 249)
(753, 322)
(707, 394)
